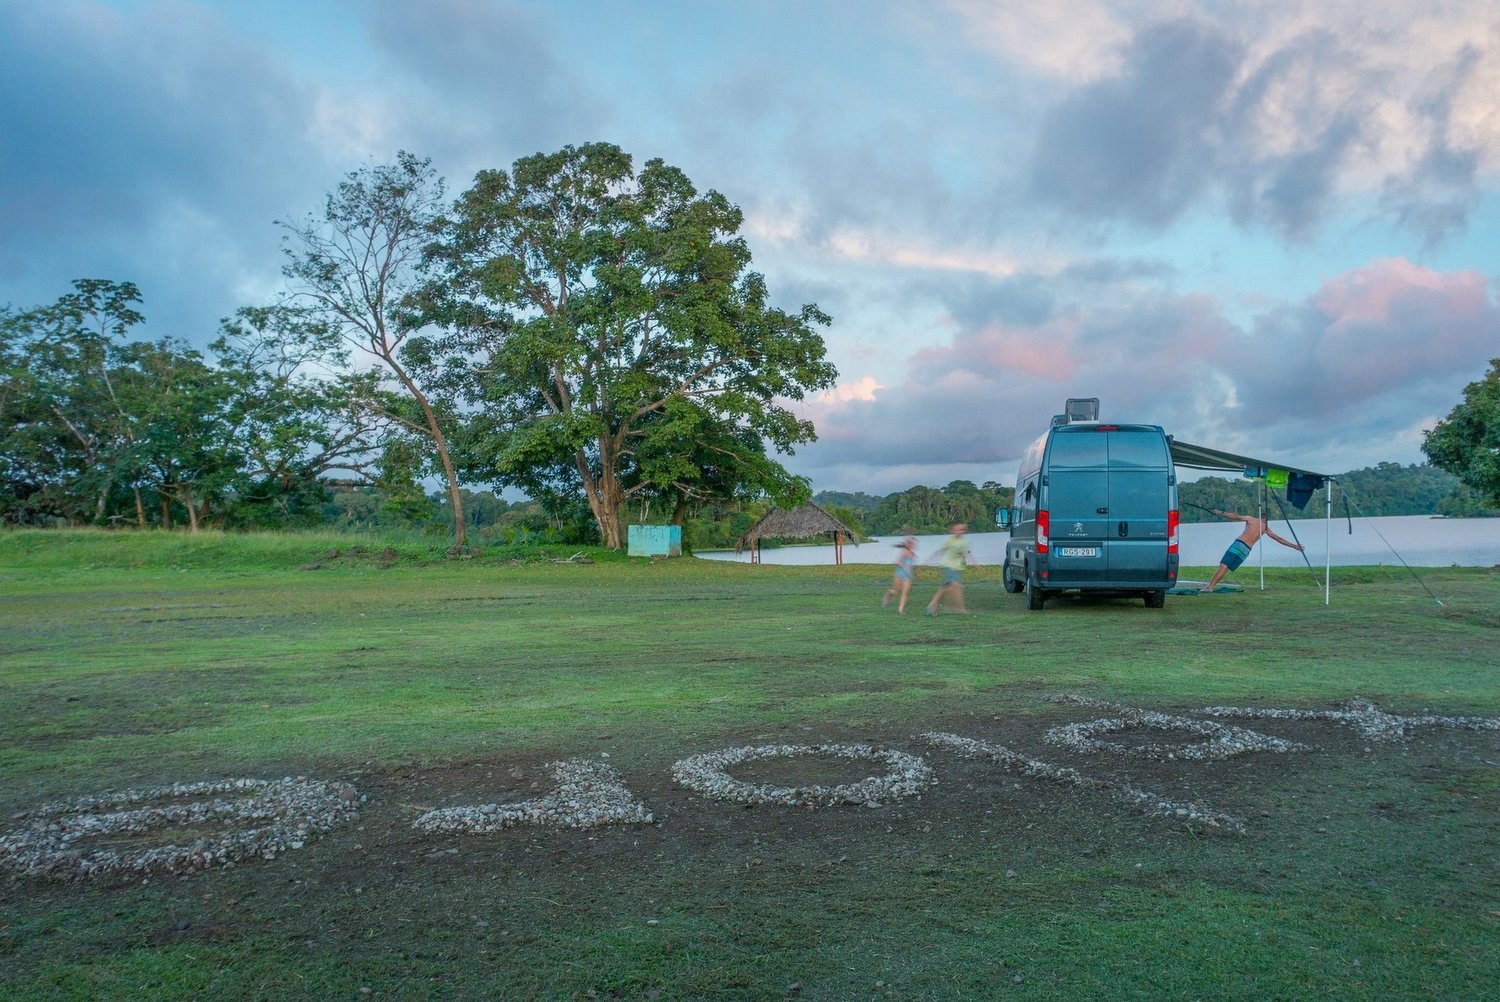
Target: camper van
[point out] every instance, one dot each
(1095, 511)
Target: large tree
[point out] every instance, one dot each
(608, 307)
(182, 447)
(1466, 443)
(356, 264)
(686, 457)
(98, 427)
(67, 427)
(300, 413)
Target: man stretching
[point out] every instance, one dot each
(1255, 527)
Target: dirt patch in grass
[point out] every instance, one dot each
(966, 794)
(377, 891)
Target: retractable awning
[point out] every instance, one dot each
(1298, 483)
(1201, 457)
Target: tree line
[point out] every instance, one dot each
(575, 329)
(586, 333)
(1383, 489)
(920, 510)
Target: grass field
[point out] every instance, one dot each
(1364, 868)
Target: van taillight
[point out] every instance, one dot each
(1172, 521)
(1041, 532)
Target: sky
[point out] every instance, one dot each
(1269, 226)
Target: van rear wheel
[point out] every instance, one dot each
(1034, 595)
(1156, 599)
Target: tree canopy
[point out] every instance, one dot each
(1466, 443)
(97, 427)
(587, 332)
(355, 267)
(928, 510)
(624, 347)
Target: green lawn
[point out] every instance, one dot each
(1366, 869)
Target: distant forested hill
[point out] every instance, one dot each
(921, 510)
(858, 501)
(1386, 489)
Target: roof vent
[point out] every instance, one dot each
(1082, 409)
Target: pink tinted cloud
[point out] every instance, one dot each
(1392, 302)
(1046, 352)
(1368, 294)
(1350, 370)
(863, 388)
(1374, 333)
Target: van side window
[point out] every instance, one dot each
(1028, 501)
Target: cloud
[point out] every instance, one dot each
(1331, 380)
(878, 247)
(159, 143)
(486, 75)
(863, 388)
(1136, 145)
(1390, 333)
(1002, 205)
(153, 145)
(1077, 41)
(1284, 114)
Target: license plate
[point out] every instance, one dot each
(1078, 551)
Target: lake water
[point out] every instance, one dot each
(1419, 540)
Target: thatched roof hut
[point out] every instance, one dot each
(804, 522)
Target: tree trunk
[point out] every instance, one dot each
(435, 432)
(140, 509)
(605, 496)
(604, 502)
(166, 507)
(187, 502)
(460, 524)
(611, 502)
(592, 494)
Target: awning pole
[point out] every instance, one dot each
(1260, 512)
(1328, 548)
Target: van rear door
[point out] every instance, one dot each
(1140, 495)
(1078, 504)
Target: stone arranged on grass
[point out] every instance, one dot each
(708, 774)
(1223, 741)
(1150, 803)
(1364, 716)
(589, 795)
(242, 819)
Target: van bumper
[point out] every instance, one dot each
(1069, 580)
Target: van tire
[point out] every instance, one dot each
(1012, 584)
(1034, 595)
(1156, 599)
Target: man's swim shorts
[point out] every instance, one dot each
(1235, 555)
